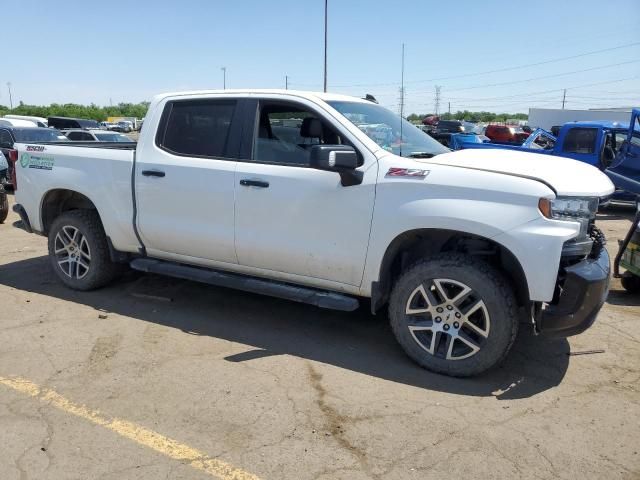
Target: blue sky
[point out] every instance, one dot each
(78, 51)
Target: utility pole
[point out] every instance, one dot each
(10, 98)
(564, 96)
(325, 44)
(436, 101)
(449, 108)
(224, 77)
(286, 82)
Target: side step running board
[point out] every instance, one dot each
(319, 298)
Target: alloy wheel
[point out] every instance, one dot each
(447, 319)
(72, 252)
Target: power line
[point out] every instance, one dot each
(527, 94)
(602, 67)
(498, 70)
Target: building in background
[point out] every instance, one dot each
(549, 117)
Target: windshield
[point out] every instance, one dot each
(39, 135)
(383, 127)
(112, 137)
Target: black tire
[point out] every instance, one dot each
(494, 320)
(101, 270)
(630, 282)
(4, 205)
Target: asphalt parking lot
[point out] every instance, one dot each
(159, 378)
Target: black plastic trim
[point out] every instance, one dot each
(142, 249)
(26, 224)
(584, 291)
(312, 296)
(117, 256)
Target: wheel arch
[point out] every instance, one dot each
(412, 245)
(59, 200)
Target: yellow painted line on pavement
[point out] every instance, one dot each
(139, 434)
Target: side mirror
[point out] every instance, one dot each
(333, 158)
(342, 159)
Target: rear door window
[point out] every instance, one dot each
(580, 140)
(197, 128)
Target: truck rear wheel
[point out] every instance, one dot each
(454, 314)
(79, 252)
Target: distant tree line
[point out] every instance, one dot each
(471, 116)
(94, 112)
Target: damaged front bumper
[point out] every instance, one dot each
(582, 289)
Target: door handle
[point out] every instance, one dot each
(254, 183)
(153, 173)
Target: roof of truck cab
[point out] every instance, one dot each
(325, 96)
(600, 123)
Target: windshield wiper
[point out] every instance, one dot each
(421, 155)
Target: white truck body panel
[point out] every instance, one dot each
(102, 175)
(307, 228)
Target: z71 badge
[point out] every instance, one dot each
(407, 172)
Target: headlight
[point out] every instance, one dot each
(577, 209)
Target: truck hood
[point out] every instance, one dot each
(567, 177)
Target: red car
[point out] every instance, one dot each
(506, 134)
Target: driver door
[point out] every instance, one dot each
(291, 218)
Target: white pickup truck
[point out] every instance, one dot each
(328, 199)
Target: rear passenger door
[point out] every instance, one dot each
(185, 181)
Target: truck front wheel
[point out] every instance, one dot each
(454, 314)
(79, 252)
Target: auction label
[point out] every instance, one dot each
(40, 162)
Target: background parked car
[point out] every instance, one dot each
(124, 126)
(9, 135)
(4, 169)
(39, 121)
(63, 123)
(108, 126)
(96, 135)
(16, 122)
(506, 134)
(4, 204)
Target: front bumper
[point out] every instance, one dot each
(584, 291)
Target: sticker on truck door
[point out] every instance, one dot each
(39, 162)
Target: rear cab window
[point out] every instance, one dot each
(580, 140)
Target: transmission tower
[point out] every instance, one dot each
(436, 101)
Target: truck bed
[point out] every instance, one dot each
(101, 171)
